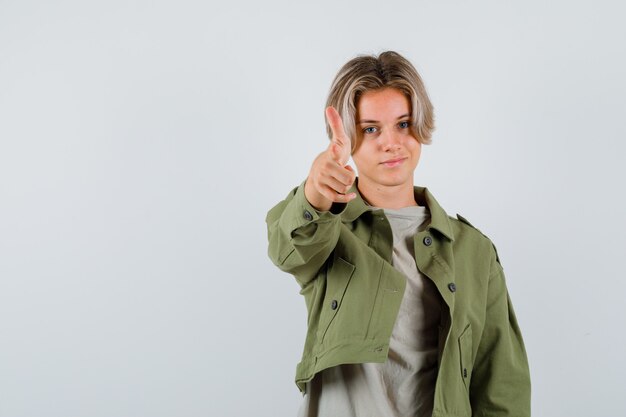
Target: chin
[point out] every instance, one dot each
(393, 181)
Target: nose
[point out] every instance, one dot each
(390, 140)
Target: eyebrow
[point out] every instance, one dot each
(376, 121)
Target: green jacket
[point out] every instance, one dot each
(342, 261)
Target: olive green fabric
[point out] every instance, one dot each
(342, 261)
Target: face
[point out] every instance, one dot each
(386, 152)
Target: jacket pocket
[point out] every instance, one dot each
(465, 353)
(337, 279)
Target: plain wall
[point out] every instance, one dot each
(142, 143)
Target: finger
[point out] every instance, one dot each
(336, 185)
(336, 126)
(340, 146)
(344, 198)
(349, 168)
(340, 154)
(342, 175)
(334, 196)
(331, 168)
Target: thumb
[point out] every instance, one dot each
(336, 152)
(339, 151)
(351, 170)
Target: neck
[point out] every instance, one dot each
(389, 197)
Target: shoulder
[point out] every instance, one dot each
(465, 225)
(466, 231)
(464, 228)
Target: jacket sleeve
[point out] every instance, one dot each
(300, 237)
(500, 383)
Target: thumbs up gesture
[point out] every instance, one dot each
(330, 178)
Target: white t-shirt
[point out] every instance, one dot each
(404, 385)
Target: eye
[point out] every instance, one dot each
(370, 129)
(404, 125)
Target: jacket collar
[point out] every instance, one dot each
(438, 217)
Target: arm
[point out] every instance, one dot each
(300, 237)
(304, 228)
(500, 383)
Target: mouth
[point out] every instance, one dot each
(390, 163)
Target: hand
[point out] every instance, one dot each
(330, 178)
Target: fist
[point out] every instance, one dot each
(330, 178)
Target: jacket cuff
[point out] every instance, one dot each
(300, 212)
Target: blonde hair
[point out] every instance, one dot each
(370, 72)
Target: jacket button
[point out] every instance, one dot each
(452, 287)
(428, 241)
(308, 215)
(333, 304)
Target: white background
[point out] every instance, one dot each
(142, 143)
